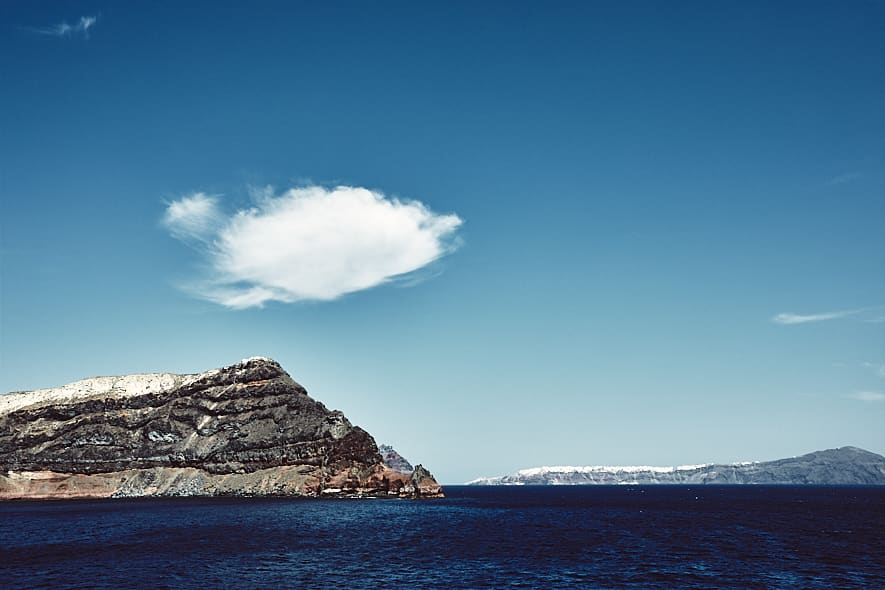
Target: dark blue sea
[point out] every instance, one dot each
(478, 537)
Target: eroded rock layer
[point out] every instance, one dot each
(246, 429)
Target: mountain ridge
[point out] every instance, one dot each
(842, 466)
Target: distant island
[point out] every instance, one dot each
(243, 430)
(843, 466)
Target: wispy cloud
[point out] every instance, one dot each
(867, 396)
(308, 243)
(871, 314)
(795, 318)
(877, 368)
(63, 29)
(844, 178)
(193, 218)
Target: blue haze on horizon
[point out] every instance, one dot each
(644, 187)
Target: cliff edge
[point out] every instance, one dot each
(243, 430)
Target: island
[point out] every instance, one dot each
(843, 466)
(247, 429)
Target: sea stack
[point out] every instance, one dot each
(243, 430)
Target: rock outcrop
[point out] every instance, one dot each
(394, 460)
(844, 466)
(243, 430)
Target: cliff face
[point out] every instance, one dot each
(394, 460)
(246, 429)
(844, 466)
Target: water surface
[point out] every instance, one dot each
(478, 537)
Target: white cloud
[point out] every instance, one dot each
(307, 243)
(867, 396)
(793, 318)
(63, 29)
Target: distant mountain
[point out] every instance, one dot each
(844, 466)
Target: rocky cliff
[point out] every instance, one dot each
(243, 430)
(844, 466)
(394, 460)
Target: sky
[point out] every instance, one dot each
(495, 235)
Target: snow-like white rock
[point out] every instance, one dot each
(606, 469)
(127, 386)
(122, 386)
(621, 474)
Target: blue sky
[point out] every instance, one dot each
(565, 234)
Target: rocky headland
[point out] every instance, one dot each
(843, 466)
(243, 430)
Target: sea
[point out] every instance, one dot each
(477, 537)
